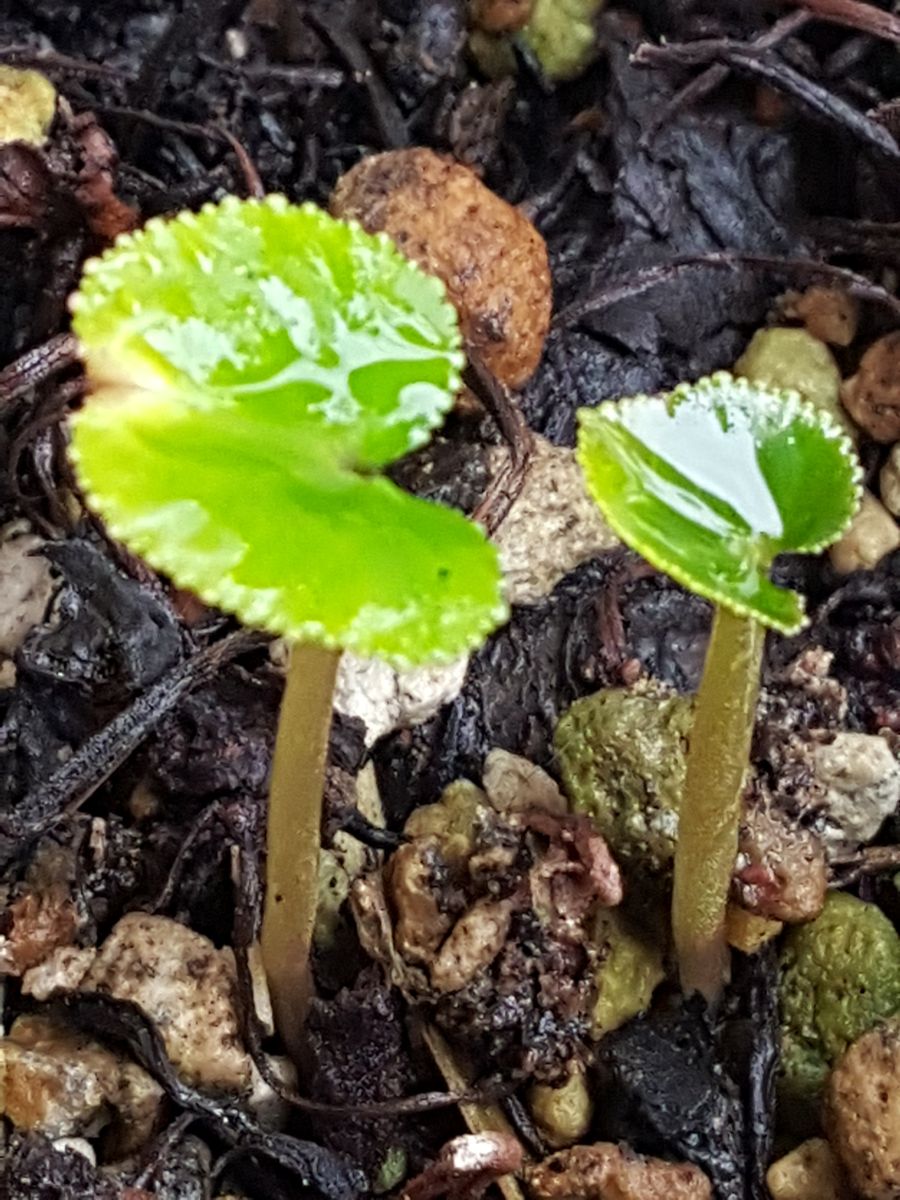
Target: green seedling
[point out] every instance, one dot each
(709, 484)
(253, 368)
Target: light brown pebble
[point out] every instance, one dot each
(37, 922)
(59, 1083)
(872, 396)
(62, 970)
(513, 784)
(781, 874)
(421, 926)
(862, 1112)
(809, 1172)
(872, 534)
(473, 943)
(828, 313)
(491, 258)
(608, 1172)
(187, 987)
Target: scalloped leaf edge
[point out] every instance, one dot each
(258, 611)
(277, 202)
(813, 416)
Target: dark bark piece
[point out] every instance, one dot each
(767, 66)
(184, 1174)
(329, 1173)
(426, 48)
(706, 183)
(110, 639)
(449, 470)
(665, 1092)
(359, 1054)
(31, 1169)
(385, 111)
(73, 783)
(516, 688)
(218, 740)
(750, 1040)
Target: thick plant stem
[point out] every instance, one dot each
(295, 814)
(711, 805)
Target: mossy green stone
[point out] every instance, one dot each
(563, 35)
(629, 971)
(840, 976)
(622, 758)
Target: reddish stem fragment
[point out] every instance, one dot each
(466, 1167)
(36, 366)
(855, 15)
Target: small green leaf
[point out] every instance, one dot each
(252, 366)
(711, 482)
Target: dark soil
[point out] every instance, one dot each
(675, 218)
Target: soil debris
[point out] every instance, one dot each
(466, 1167)
(708, 157)
(667, 1092)
(593, 1172)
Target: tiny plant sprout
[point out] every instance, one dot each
(253, 368)
(709, 484)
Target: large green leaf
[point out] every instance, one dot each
(252, 366)
(712, 481)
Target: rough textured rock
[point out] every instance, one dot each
(605, 1171)
(186, 987)
(862, 1112)
(552, 526)
(861, 777)
(491, 258)
(666, 1092)
(62, 1084)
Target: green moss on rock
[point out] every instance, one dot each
(840, 976)
(622, 754)
(629, 970)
